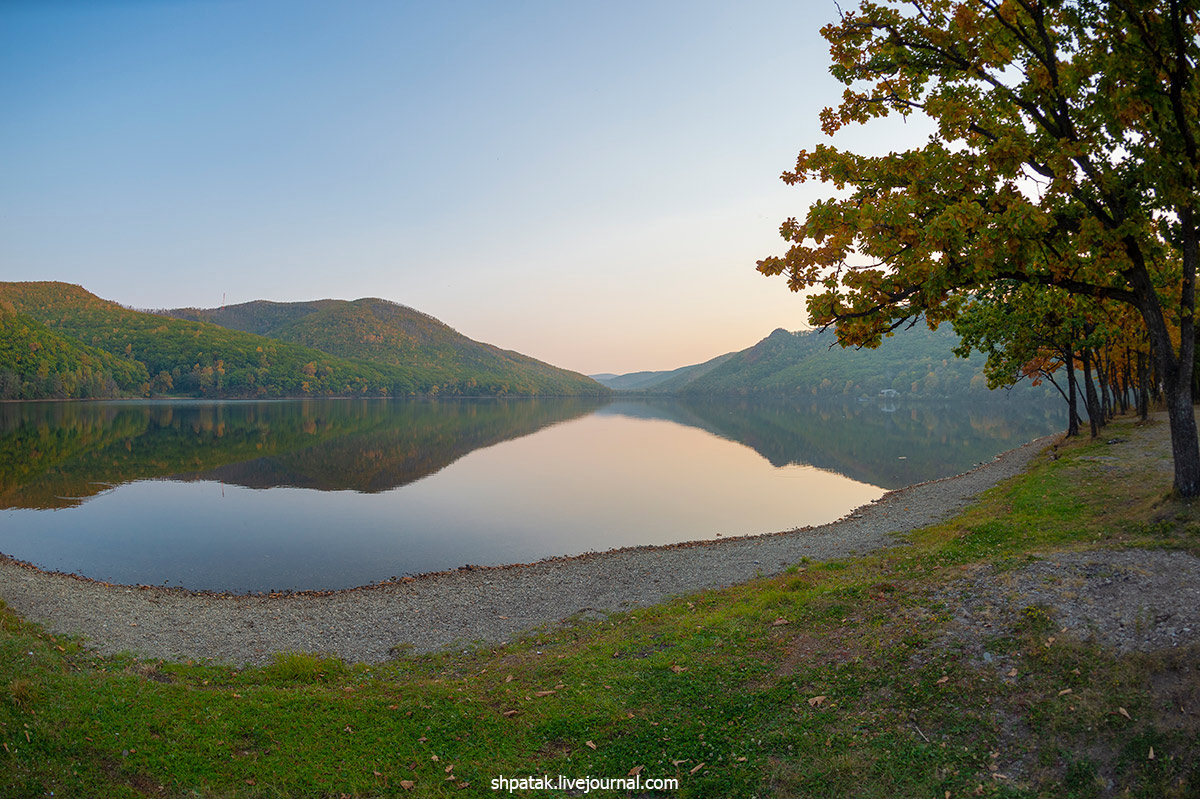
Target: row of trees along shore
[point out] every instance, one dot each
(1053, 215)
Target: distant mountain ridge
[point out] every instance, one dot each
(914, 362)
(324, 348)
(661, 382)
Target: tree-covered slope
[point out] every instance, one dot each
(915, 362)
(198, 358)
(38, 363)
(382, 332)
(193, 357)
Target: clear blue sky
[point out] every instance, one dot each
(587, 182)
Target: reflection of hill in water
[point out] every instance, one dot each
(391, 455)
(55, 455)
(891, 445)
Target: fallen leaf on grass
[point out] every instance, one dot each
(741, 760)
(509, 678)
(944, 679)
(589, 745)
(1151, 755)
(1065, 691)
(1124, 713)
(636, 770)
(544, 693)
(510, 713)
(1012, 672)
(817, 701)
(697, 767)
(779, 622)
(678, 669)
(407, 785)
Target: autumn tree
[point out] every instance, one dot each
(1065, 154)
(1026, 332)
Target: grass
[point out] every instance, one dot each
(832, 679)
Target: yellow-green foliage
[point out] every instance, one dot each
(202, 359)
(36, 362)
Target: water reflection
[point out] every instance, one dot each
(890, 444)
(319, 494)
(56, 455)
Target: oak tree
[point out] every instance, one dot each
(1065, 154)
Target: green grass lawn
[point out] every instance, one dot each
(834, 679)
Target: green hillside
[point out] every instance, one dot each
(36, 363)
(916, 362)
(198, 358)
(382, 332)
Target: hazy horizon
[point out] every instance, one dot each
(588, 184)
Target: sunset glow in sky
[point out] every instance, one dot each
(588, 183)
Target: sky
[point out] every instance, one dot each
(589, 183)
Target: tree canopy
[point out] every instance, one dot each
(1065, 155)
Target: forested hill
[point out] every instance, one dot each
(383, 332)
(38, 362)
(915, 362)
(157, 354)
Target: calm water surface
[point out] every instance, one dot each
(324, 494)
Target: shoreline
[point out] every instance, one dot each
(489, 604)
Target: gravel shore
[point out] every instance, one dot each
(478, 604)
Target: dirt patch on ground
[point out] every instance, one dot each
(1140, 607)
(1126, 600)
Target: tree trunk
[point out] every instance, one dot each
(1143, 386)
(1106, 404)
(1182, 415)
(1126, 382)
(1072, 403)
(1175, 369)
(1089, 392)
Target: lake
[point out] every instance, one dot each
(328, 494)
